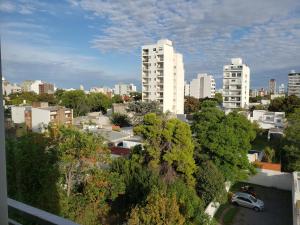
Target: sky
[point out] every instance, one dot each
(98, 42)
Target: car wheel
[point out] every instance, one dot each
(256, 209)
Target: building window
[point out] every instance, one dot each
(154, 49)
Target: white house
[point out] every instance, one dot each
(268, 120)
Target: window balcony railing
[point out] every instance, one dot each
(34, 215)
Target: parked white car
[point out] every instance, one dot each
(247, 200)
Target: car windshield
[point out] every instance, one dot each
(253, 199)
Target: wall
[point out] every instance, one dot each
(270, 178)
(18, 114)
(40, 118)
(296, 198)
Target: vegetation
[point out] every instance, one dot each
(225, 140)
(121, 120)
(285, 104)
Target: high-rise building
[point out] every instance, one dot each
(294, 84)
(236, 83)
(281, 89)
(46, 88)
(272, 86)
(124, 89)
(203, 86)
(163, 76)
(186, 89)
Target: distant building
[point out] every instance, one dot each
(203, 86)
(253, 93)
(281, 89)
(104, 90)
(46, 88)
(26, 85)
(268, 120)
(186, 89)
(236, 84)
(294, 84)
(38, 119)
(272, 86)
(81, 87)
(8, 88)
(277, 96)
(35, 86)
(163, 76)
(124, 89)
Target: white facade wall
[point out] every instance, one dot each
(40, 119)
(35, 86)
(186, 89)
(203, 86)
(268, 120)
(18, 114)
(281, 89)
(236, 83)
(124, 89)
(296, 198)
(163, 76)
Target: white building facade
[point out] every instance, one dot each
(163, 76)
(281, 89)
(124, 89)
(294, 84)
(236, 83)
(186, 89)
(203, 86)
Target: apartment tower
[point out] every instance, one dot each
(163, 76)
(236, 83)
(294, 83)
(272, 86)
(203, 86)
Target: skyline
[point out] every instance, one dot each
(96, 43)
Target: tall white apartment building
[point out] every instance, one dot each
(236, 83)
(163, 76)
(124, 89)
(204, 86)
(186, 89)
(294, 84)
(281, 89)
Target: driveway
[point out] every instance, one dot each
(278, 209)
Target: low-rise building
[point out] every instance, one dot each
(124, 89)
(268, 120)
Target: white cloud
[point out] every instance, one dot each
(6, 6)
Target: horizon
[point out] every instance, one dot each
(96, 43)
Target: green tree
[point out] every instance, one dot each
(210, 183)
(75, 100)
(208, 103)
(117, 99)
(269, 154)
(291, 153)
(50, 98)
(19, 98)
(136, 96)
(168, 146)
(191, 105)
(285, 104)
(99, 102)
(219, 98)
(142, 108)
(225, 140)
(121, 120)
(159, 209)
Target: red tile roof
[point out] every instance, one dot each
(269, 166)
(120, 151)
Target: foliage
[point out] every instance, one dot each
(208, 103)
(255, 99)
(75, 100)
(285, 104)
(32, 171)
(292, 147)
(98, 102)
(210, 183)
(18, 98)
(168, 146)
(136, 96)
(50, 98)
(142, 108)
(117, 99)
(159, 209)
(191, 105)
(224, 139)
(120, 119)
(219, 98)
(269, 154)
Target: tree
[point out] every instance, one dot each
(191, 105)
(50, 98)
(255, 99)
(142, 108)
(75, 100)
(168, 146)
(269, 154)
(19, 98)
(159, 209)
(285, 104)
(136, 96)
(99, 102)
(219, 98)
(121, 120)
(208, 103)
(117, 99)
(225, 140)
(210, 183)
(291, 153)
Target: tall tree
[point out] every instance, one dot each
(168, 146)
(99, 102)
(285, 104)
(75, 100)
(224, 139)
(191, 105)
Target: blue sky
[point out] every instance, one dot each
(97, 42)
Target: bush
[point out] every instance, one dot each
(121, 120)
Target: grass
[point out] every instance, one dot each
(230, 215)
